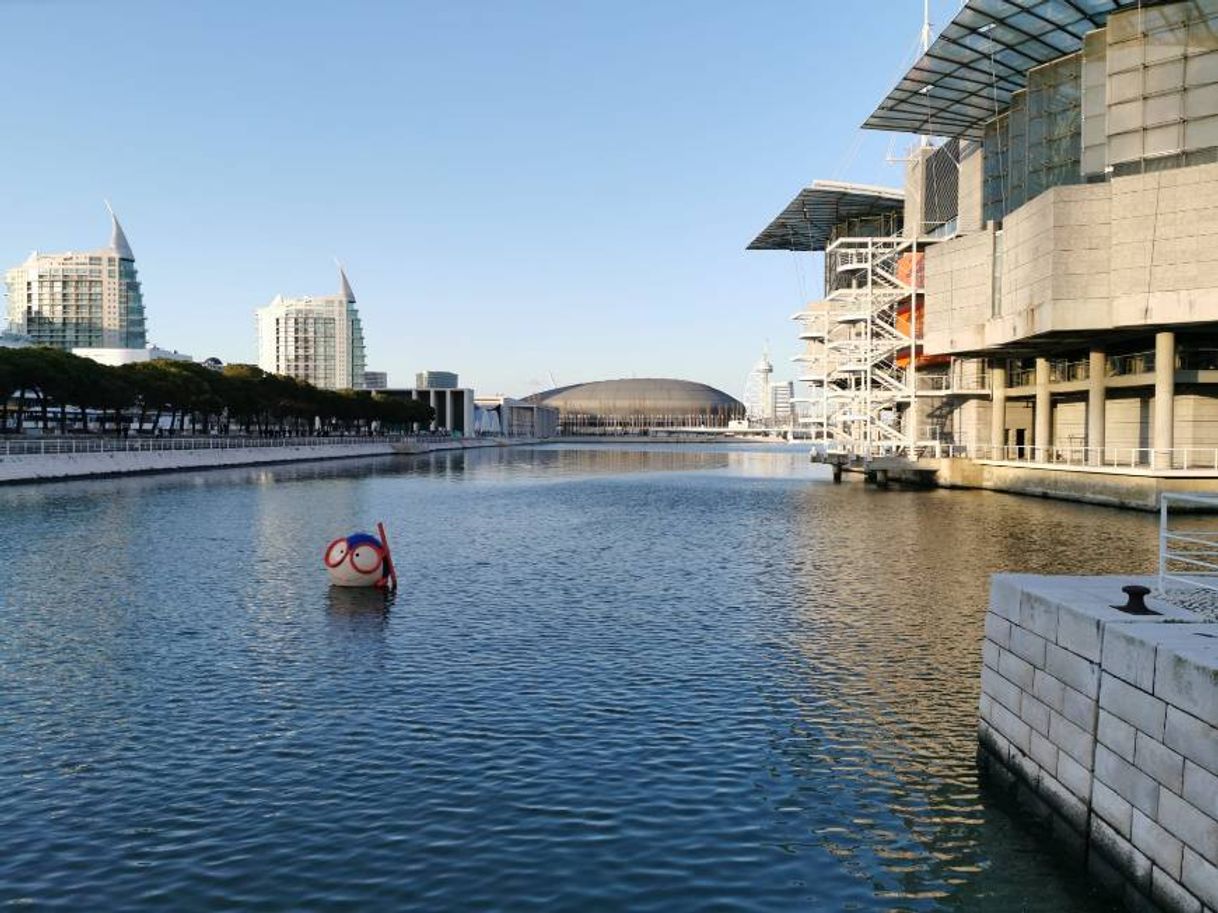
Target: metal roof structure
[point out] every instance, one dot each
(808, 220)
(967, 75)
(344, 287)
(118, 238)
(638, 396)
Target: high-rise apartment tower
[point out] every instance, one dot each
(79, 300)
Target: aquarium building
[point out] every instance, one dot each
(1044, 287)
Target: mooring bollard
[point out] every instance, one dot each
(1137, 600)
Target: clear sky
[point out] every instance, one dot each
(519, 189)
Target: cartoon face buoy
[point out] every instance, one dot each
(361, 559)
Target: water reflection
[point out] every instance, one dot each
(363, 610)
(616, 677)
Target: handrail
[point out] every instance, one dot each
(1178, 563)
(56, 446)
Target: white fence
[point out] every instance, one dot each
(50, 446)
(1188, 541)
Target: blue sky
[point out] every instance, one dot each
(518, 189)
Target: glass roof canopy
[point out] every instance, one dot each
(808, 220)
(981, 57)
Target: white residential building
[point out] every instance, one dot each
(79, 300)
(318, 340)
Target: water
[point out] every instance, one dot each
(615, 679)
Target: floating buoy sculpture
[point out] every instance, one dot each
(361, 559)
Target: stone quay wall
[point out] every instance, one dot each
(34, 467)
(1108, 721)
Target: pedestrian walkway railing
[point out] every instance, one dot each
(66, 445)
(1188, 541)
(1176, 458)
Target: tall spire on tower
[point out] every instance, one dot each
(118, 240)
(344, 287)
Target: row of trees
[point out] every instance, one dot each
(57, 389)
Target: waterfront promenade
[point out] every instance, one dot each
(29, 460)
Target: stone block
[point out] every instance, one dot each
(1000, 689)
(1156, 759)
(1016, 670)
(1078, 708)
(1011, 727)
(1049, 690)
(1034, 713)
(1164, 850)
(1168, 893)
(1074, 776)
(1201, 789)
(1074, 741)
(1130, 656)
(993, 742)
(1028, 646)
(1068, 806)
(1043, 752)
(989, 654)
(997, 629)
(1186, 673)
(1200, 877)
(1116, 735)
(1133, 705)
(1005, 592)
(1126, 858)
(1038, 612)
(1024, 767)
(1079, 632)
(1189, 824)
(1079, 673)
(1137, 788)
(1112, 808)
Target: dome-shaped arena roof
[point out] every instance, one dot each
(639, 397)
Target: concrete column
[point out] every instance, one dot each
(998, 406)
(1097, 370)
(1165, 398)
(1043, 415)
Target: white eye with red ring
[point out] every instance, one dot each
(336, 552)
(366, 559)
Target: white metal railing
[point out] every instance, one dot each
(1177, 458)
(51, 446)
(1188, 541)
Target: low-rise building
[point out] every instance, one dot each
(503, 415)
(435, 380)
(454, 406)
(117, 357)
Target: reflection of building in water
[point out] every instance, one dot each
(636, 405)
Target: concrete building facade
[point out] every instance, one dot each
(1043, 288)
(318, 340)
(454, 406)
(90, 299)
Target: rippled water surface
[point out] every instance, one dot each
(614, 679)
